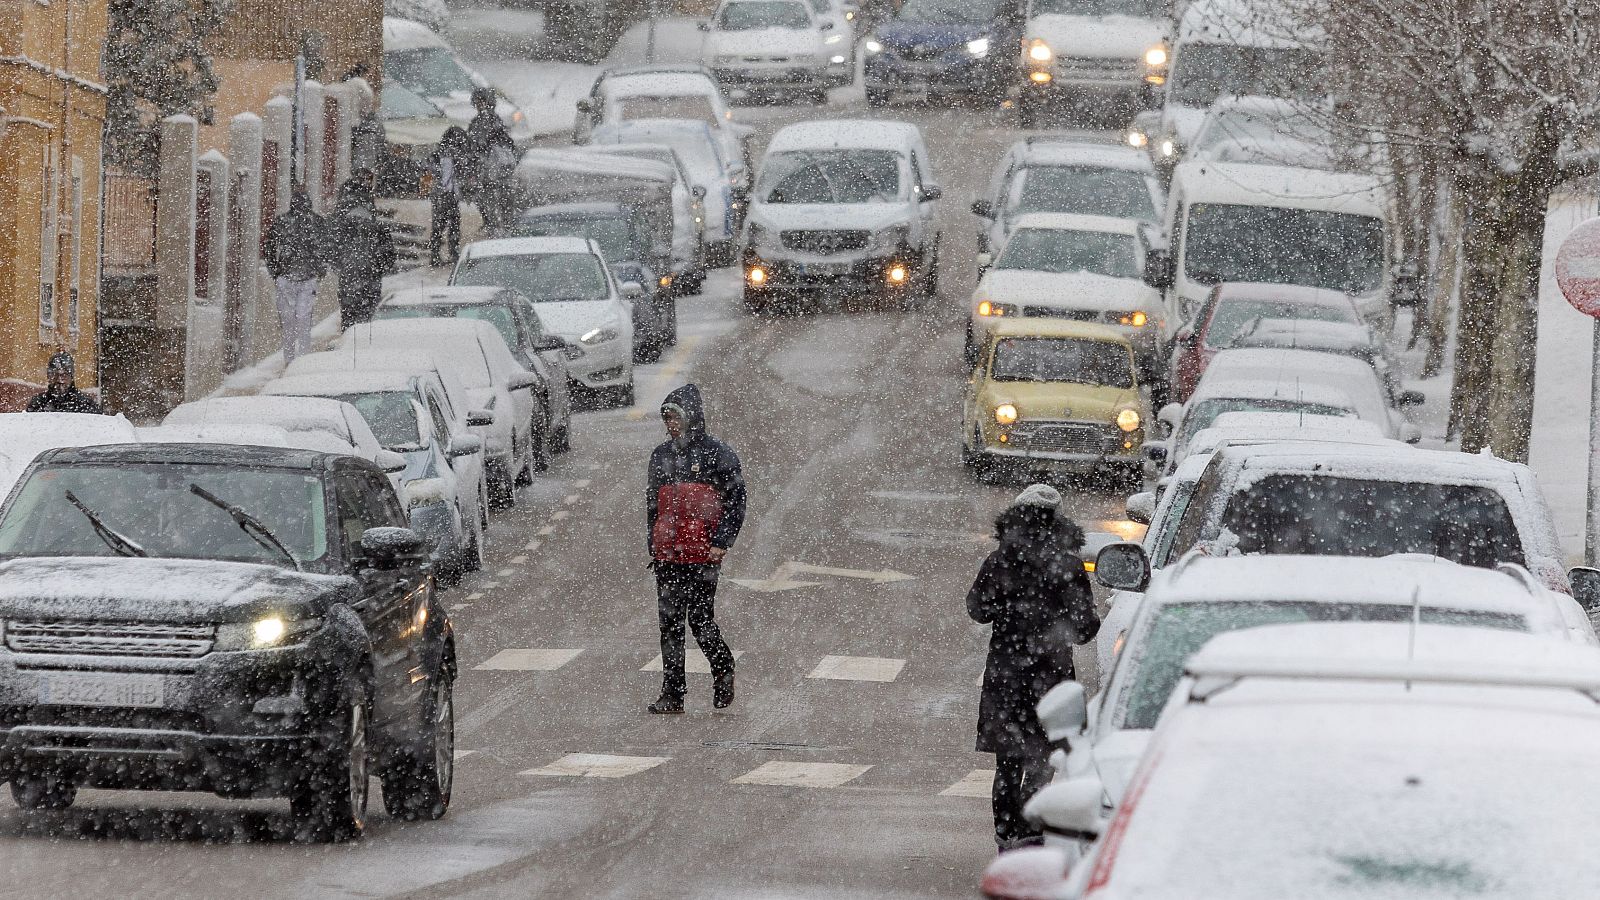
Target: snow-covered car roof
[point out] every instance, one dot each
(665, 68)
(1072, 290)
(416, 333)
(217, 433)
(870, 134)
(586, 161)
(658, 81)
(293, 414)
(1057, 328)
(1247, 23)
(1255, 428)
(1353, 378)
(1284, 293)
(447, 294)
(1072, 222)
(1308, 334)
(404, 34)
(1288, 187)
(383, 360)
(1312, 392)
(525, 246)
(1037, 152)
(333, 384)
(25, 435)
(1389, 461)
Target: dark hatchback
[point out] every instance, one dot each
(255, 622)
(942, 47)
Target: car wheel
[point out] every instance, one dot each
(417, 781)
(877, 97)
(624, 396)
(43, 792)
(331, 804)
(930, 282)
(472, 557)
(502, 491)
(755, 303)
(649, 352)
(563, 442)
(969, 350)
(539, 459)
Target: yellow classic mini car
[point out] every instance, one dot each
(1054, 396)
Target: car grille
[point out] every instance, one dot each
(1060, 437)
(110, 639)
(1098, 69)
(921, 52)
(825, 242)
(1053, 312)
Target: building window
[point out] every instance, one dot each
(76, 281)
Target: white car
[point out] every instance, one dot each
(725, 179)
(838, 42)
(631, 93)
(1238, 428)
(574, 295)
(842, 209)
(768, 48)
(1091, 49)
(25, 435)
(426, 65)
(688, 266)
(1245, 129)
(1350, 760)
(442, 485)
(242, 435)
(514, 445)
(331, 426)
(1083, 268)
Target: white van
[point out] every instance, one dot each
(1081, 48)
(427, 66)
(1230, 222)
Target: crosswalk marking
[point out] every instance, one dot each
(528, 659)
(598, 765)
(977, 783)
(533, 545)
(547, 530)
(694, 662)
(519, 560)
(505, 573)
(570, 499)
(581, 483)
(559, 514)
(802, 774)
(858, 668)
(478, 595)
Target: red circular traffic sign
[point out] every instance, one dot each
(1578, 268)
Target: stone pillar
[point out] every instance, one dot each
(175, 221)
(203, 343)
(348, 96)
(312, 145)
(244, 149)
(278, 128)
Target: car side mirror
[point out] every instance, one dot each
(633, 290)
(704, 26)
(549, 342)
(983, 209)
(1122, 567)
(1410, 398)
(1159, 271)
(521, 381)
(1070, 809)
(1586, 588)
(985, 260)
(1064, 711)
(1156, 452)
(1141, 507)
(389, 461)
(479, 418)
(388, 547)
(1170, 415)
(585, 105)
(464, 445)
(932, 192)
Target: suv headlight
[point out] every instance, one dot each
(978, 47)
(598, 336)
(1135, 319)
(873, 46)
(1129, 420)
(1156, 56)
(890, 238)
(1005, 414)
(272, 630)
(1039, 51)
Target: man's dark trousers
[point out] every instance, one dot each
(688, 593)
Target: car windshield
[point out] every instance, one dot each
(1280, 245)
(399, 103)
(1062, 250)
(1232, 316)
(618, 239)
(1323, 515)
(1181, 629)
(429, 71)
(541, 277)
(392, 416)
(821, 7)
(498, 316)
(831, 176)
(950, 12)
(1202, 414)
(1084, 191)
(751, 15)
(1141, 9)
(1203, 72)
(1071, 360)
(155, 507)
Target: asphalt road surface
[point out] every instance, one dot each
(844, 769)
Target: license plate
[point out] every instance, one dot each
(831, 269)
(97, 689)
(764, 74)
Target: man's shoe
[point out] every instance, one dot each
(722, 691)
(666, 706)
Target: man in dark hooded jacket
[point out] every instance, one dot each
(1034, 592)
(363, 251)
(695, 508)
(62, 394)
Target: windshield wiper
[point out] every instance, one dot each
(122, 545)
(248, 524)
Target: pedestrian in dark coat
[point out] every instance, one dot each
(448, 167)
(294, 253)
(364, 252)
(494, 156)
(1034, 592)
(695, 507)
(62, 394)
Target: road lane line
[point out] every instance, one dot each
(475, 596)
(532, 545)
(598, 765)
(519, 560)
(546, 531)
(694, 662)
(858, 668)
(802, 774)
(581, 483)
(505, 573)
(570, 499)
(527, 659)
(559, 514)
(977, 783)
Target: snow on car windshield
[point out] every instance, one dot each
(155, 507)
(400, 103)
(949, 12)
(1062, 359)
(1329, 516)
(1234, 315)
(1201, 415)
(1203, 72)
(1180, 629)
(496, 315)
(752, 16)
(1276, 245)
(1140, 9)
(541, 277)
(1084, 190)
(392, 415)
(429, 71)
(831, 176)
(1062, 250)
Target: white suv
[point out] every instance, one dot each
(842, 209)
(769, 47)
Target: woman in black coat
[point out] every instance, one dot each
(1034, 592)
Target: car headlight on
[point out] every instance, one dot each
(1005, 414)
(1137, 139)
(1039, 51)
(1156, 56)
(990, 308)
(1135, 319)
(833, 39)
(1128, 420)
(272, 630)
(598, 335)
(978, 47)
(1168, 148)
(873, 46)
(756, 275)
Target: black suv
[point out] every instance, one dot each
(252, 621)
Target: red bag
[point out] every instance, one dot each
(687, 513)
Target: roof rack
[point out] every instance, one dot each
(1522, 575)
(1213, 677)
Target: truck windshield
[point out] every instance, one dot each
(154, 506)
(752, 16)
(831, 176)
(1282, 245)
(1139, 9)
(1203, 72)
(1061, 250)
(1068, 360)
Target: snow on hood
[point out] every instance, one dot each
(1077, 290)
(803, 216)
(1097, 37)
(764, 42)
(1116, 758)
(1185, 121)
(170, 590)
(573, 318)
(25, 435)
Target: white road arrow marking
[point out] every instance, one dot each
(782, 578)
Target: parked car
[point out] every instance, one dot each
(687, 269)
(1054, 396)
(251, 621)
(1269, 427)
(724, 178)
(1229, 310)
(426, 65)
(574, 296)
(1264, 129)
(513, 318)
(25, 435)
(412, 128)
(245, 435)
(935, 48)
(1082, 268)
(1274, 727)
(768, 48)
(443, 486)
(661, 91)
(1094, 50)
(843, 209)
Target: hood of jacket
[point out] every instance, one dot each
(687, 398)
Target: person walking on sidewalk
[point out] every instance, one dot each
(445, 195)
(61, 393)
(294, 257)
(695, 508)
(494, 160)
(1034, 592)
(365, 252)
